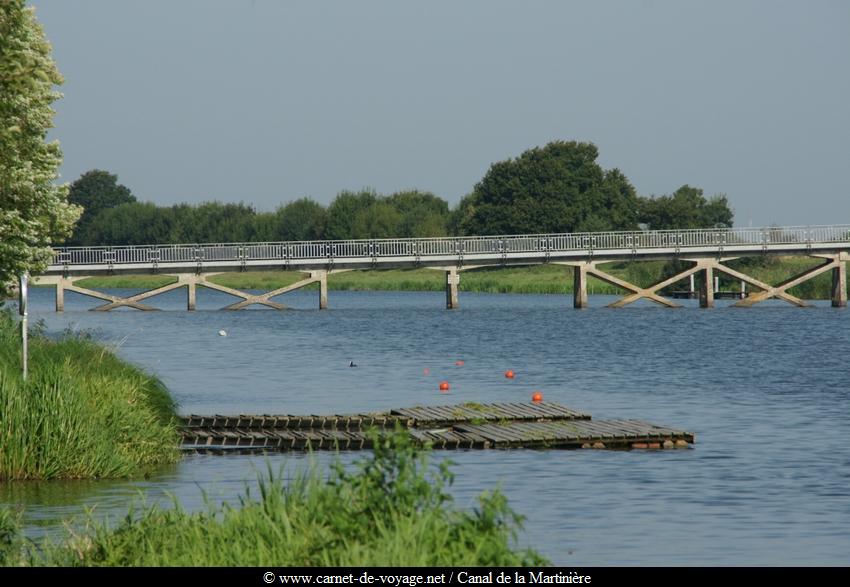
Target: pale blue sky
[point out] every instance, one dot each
(266, 101)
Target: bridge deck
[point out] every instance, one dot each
(448, 251)
(472, 426)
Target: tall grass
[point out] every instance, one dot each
(537, 279)
(392, 508)
(82, 413)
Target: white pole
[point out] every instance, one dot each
(22, 308)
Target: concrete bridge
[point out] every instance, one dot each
(707, 251)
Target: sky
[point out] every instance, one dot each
(267, 101)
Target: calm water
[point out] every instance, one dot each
(765, 389)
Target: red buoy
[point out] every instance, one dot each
(459, 363)
(444, 385)
(537, 397)
(509, 374)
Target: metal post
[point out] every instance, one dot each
(693, 289)
(22, 308)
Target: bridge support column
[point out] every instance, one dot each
(452, 279)
(322, 278)
(60, 294)
(580, 286)
(839, 285)
(191, 295)
(706, 290)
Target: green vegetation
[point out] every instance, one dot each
(33, 210)
(685, 208)
(556, 188)
(82, 413)
(538, 279)
(393, 509)
(95, 191)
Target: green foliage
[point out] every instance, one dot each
(33, 210)
(553, 189)
(347, 212)
(422, 214)
(685, 208)
(10, 537)
(556, 188)
(146, 224)
(95, 191)
(392, 509)
(301, 220)
(362, 214)
(82, 412)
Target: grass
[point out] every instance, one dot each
(537, 279)
(392, 509)
(82, 413)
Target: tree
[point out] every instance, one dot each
(34, 212)
(422, 214)
(95, 191)
(556, 188)
(685, 208)
(343, 213)
(301, 220)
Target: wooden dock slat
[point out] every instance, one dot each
(497, 425)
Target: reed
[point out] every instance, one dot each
(391, 509)
(82, 412)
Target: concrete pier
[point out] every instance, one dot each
(706, 290)
(322, 278)
(839, 285)
(580, 286)
(452, 281)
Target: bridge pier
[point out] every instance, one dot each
(191, 295)
(706, 290)
(60, 295)
(322, 278)
(839, 285)
(580, 286)
(452, 280)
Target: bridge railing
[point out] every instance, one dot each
(449, 246)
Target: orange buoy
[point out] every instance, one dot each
(426, 371)
(459, 363)
(509, 374)
(537, 397)
(444, 385)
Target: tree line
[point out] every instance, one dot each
(556, 188)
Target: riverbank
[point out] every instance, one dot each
(537, 279)
(391, 509)
(82, 413)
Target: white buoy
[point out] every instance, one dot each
(222, 333)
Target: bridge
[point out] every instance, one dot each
(706, 250)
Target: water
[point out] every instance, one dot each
(765, 389)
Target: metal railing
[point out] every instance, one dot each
(423, 248)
